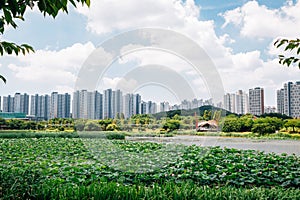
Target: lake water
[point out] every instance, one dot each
(266, 145)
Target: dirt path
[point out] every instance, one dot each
(267, 145)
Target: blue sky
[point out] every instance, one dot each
(236, 35)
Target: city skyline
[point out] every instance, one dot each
(107, 103)
(163, 100)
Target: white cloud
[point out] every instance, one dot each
(117, 83)
(258, 21)
(226, 39)
(238, 71)
(251, 71)
(115, 16)
(232, 16)
(249, 60)
(110, 15)
(59, 67)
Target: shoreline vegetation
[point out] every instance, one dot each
(122, 134)
(216, 122)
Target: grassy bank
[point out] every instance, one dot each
(104, 134)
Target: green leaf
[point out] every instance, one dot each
(281, 42)
(290, 46)
(7, 16)
(2, 78)
(73, 3)
(27, 48)
(14, 8)
(42, 5)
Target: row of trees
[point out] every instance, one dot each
(231, 123)
(263, 125)
(15, 124)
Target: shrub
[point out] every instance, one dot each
(112, 127)
(115, 136)
(92, 126)
(232, 125)
(263, 128)
(171, 125)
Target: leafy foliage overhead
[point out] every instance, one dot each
(290, 45)
(12, 10)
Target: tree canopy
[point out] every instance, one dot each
(13, 10)
(293, 46)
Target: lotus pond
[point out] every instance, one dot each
(31, 167)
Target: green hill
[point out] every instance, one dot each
(199, 112)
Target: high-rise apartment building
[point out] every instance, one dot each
(18, 104)
(196, 103)
(288, 99)
(164, 106)
(128, 105)
(229, 102)
(107, 104)
(270, 109)
(186, 105)
(137, 99)
(143, 107)
(8, 104)
(131, 105)
(76, 105)
(98, 107)
(148, 107)
(60, 105)
(40, 106)
(241, 102)
(117, 102)
(280, 101)
(21, 103)
(87, 105)
(256, 101)
(236, 103)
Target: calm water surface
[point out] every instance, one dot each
(267, 145)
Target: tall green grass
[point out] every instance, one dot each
(165, 191)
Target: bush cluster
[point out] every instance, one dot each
(263, 125)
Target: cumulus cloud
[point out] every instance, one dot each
(117, 83)
(110, 15)
(238, 70)
(248, 60)
(115, 16)
(59, 67)
(259, 21)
